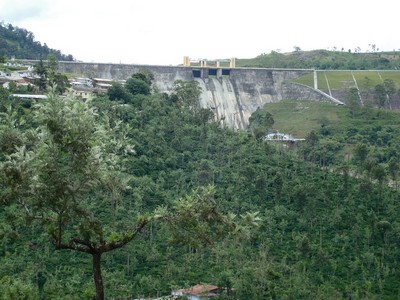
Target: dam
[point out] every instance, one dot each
(233, 94)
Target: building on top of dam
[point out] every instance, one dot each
(204, 63)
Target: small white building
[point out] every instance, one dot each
(198, 292)
(29, 96)
(276, 136)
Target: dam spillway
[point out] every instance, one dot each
(233, 94)
(219, 96)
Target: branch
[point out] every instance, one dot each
(105, 247)
(75, 244)
(93, 248)
(193, 232)
(29, 212)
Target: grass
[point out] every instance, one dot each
(343, 80)
(337, 79)
(299, 118)
(307, 79)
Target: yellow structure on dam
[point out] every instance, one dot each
(204, 63)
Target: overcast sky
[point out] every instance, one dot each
(163, 31)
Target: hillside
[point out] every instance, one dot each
(21, 44)
(325, 60)
(371, 78)
(168, 197)
(366, 83)
(306, 231)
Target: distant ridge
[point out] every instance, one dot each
(20, 43)
(325, 60)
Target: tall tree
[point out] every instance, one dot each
(393, 169)
(260, 122)
(384, 92)
(52, 62)
(117, 92)
(139, 84)
(187, 93)
(353, 101)
(49, 77)
(70, 179)
(390, 90)
(41, 70)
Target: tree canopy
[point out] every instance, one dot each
(171, 198)
(68, 177)
(260, 122)
(20, 43)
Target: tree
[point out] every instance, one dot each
(49, 77)
(145, 76)
(380, 95)
(393, 168)
(366, 84)
(117, 92)
(360, 154)
(384, 92)
(20, 43)
(260, 122)
(59, 82)
(187, 93)
(137, 86)
(52, 62)
(353, 101)
(68, 167)
(390, 89)
(41, 70)
(69, 178)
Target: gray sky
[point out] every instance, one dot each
(163, 31)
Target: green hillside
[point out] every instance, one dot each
(343, 80)
(325, 60)
(21, 44)
(137, 193)
(196, 202)
(373, 77)
(299, 118)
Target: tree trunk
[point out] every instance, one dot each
(98, 280)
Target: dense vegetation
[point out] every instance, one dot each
(325, 60)
(317, 220)
(21, 44)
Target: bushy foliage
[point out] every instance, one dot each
(309, 223)
(260, 122)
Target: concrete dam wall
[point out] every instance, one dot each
(232, 94)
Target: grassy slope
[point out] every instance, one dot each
(344, 79)
(325, 60)
(300, 117)
(333, 67)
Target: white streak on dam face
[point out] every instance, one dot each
(219, 96)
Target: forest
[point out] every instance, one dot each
(137, 193)
(20, 43)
